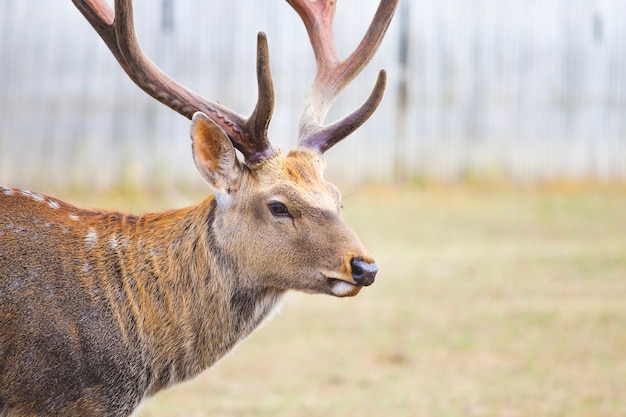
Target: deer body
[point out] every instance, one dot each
(114, 307)
(110, 308)
(99, 310)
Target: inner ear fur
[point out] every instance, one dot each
(214, 154)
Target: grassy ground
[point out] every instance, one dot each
(488, 303)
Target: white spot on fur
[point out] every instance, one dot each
(13, 228)
(34, 196)
(8, 191)
(86, 267)
(73, 217)
(53, 204)
(91, 238)
(116, 241)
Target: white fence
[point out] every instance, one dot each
(528, 89)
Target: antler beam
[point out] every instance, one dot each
(118, 32)
(334, 74)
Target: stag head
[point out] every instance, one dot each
(278, 204)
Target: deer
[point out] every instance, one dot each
(100, 310)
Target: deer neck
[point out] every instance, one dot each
(189, 301)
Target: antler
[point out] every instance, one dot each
(118, 32)
(334, 74)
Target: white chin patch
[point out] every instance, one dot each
(342, 289)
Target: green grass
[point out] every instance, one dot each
(488, 303)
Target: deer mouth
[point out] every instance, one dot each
(342, 288)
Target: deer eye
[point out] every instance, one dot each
(279, 209)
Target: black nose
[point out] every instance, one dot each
(363, 272)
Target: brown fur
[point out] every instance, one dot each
(99, 310)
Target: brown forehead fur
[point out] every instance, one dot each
(301, 166)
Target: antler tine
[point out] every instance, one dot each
(117, 31)
(334, 74)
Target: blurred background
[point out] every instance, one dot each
(520, 89)
(490, 185)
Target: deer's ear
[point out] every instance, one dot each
(214, 155)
